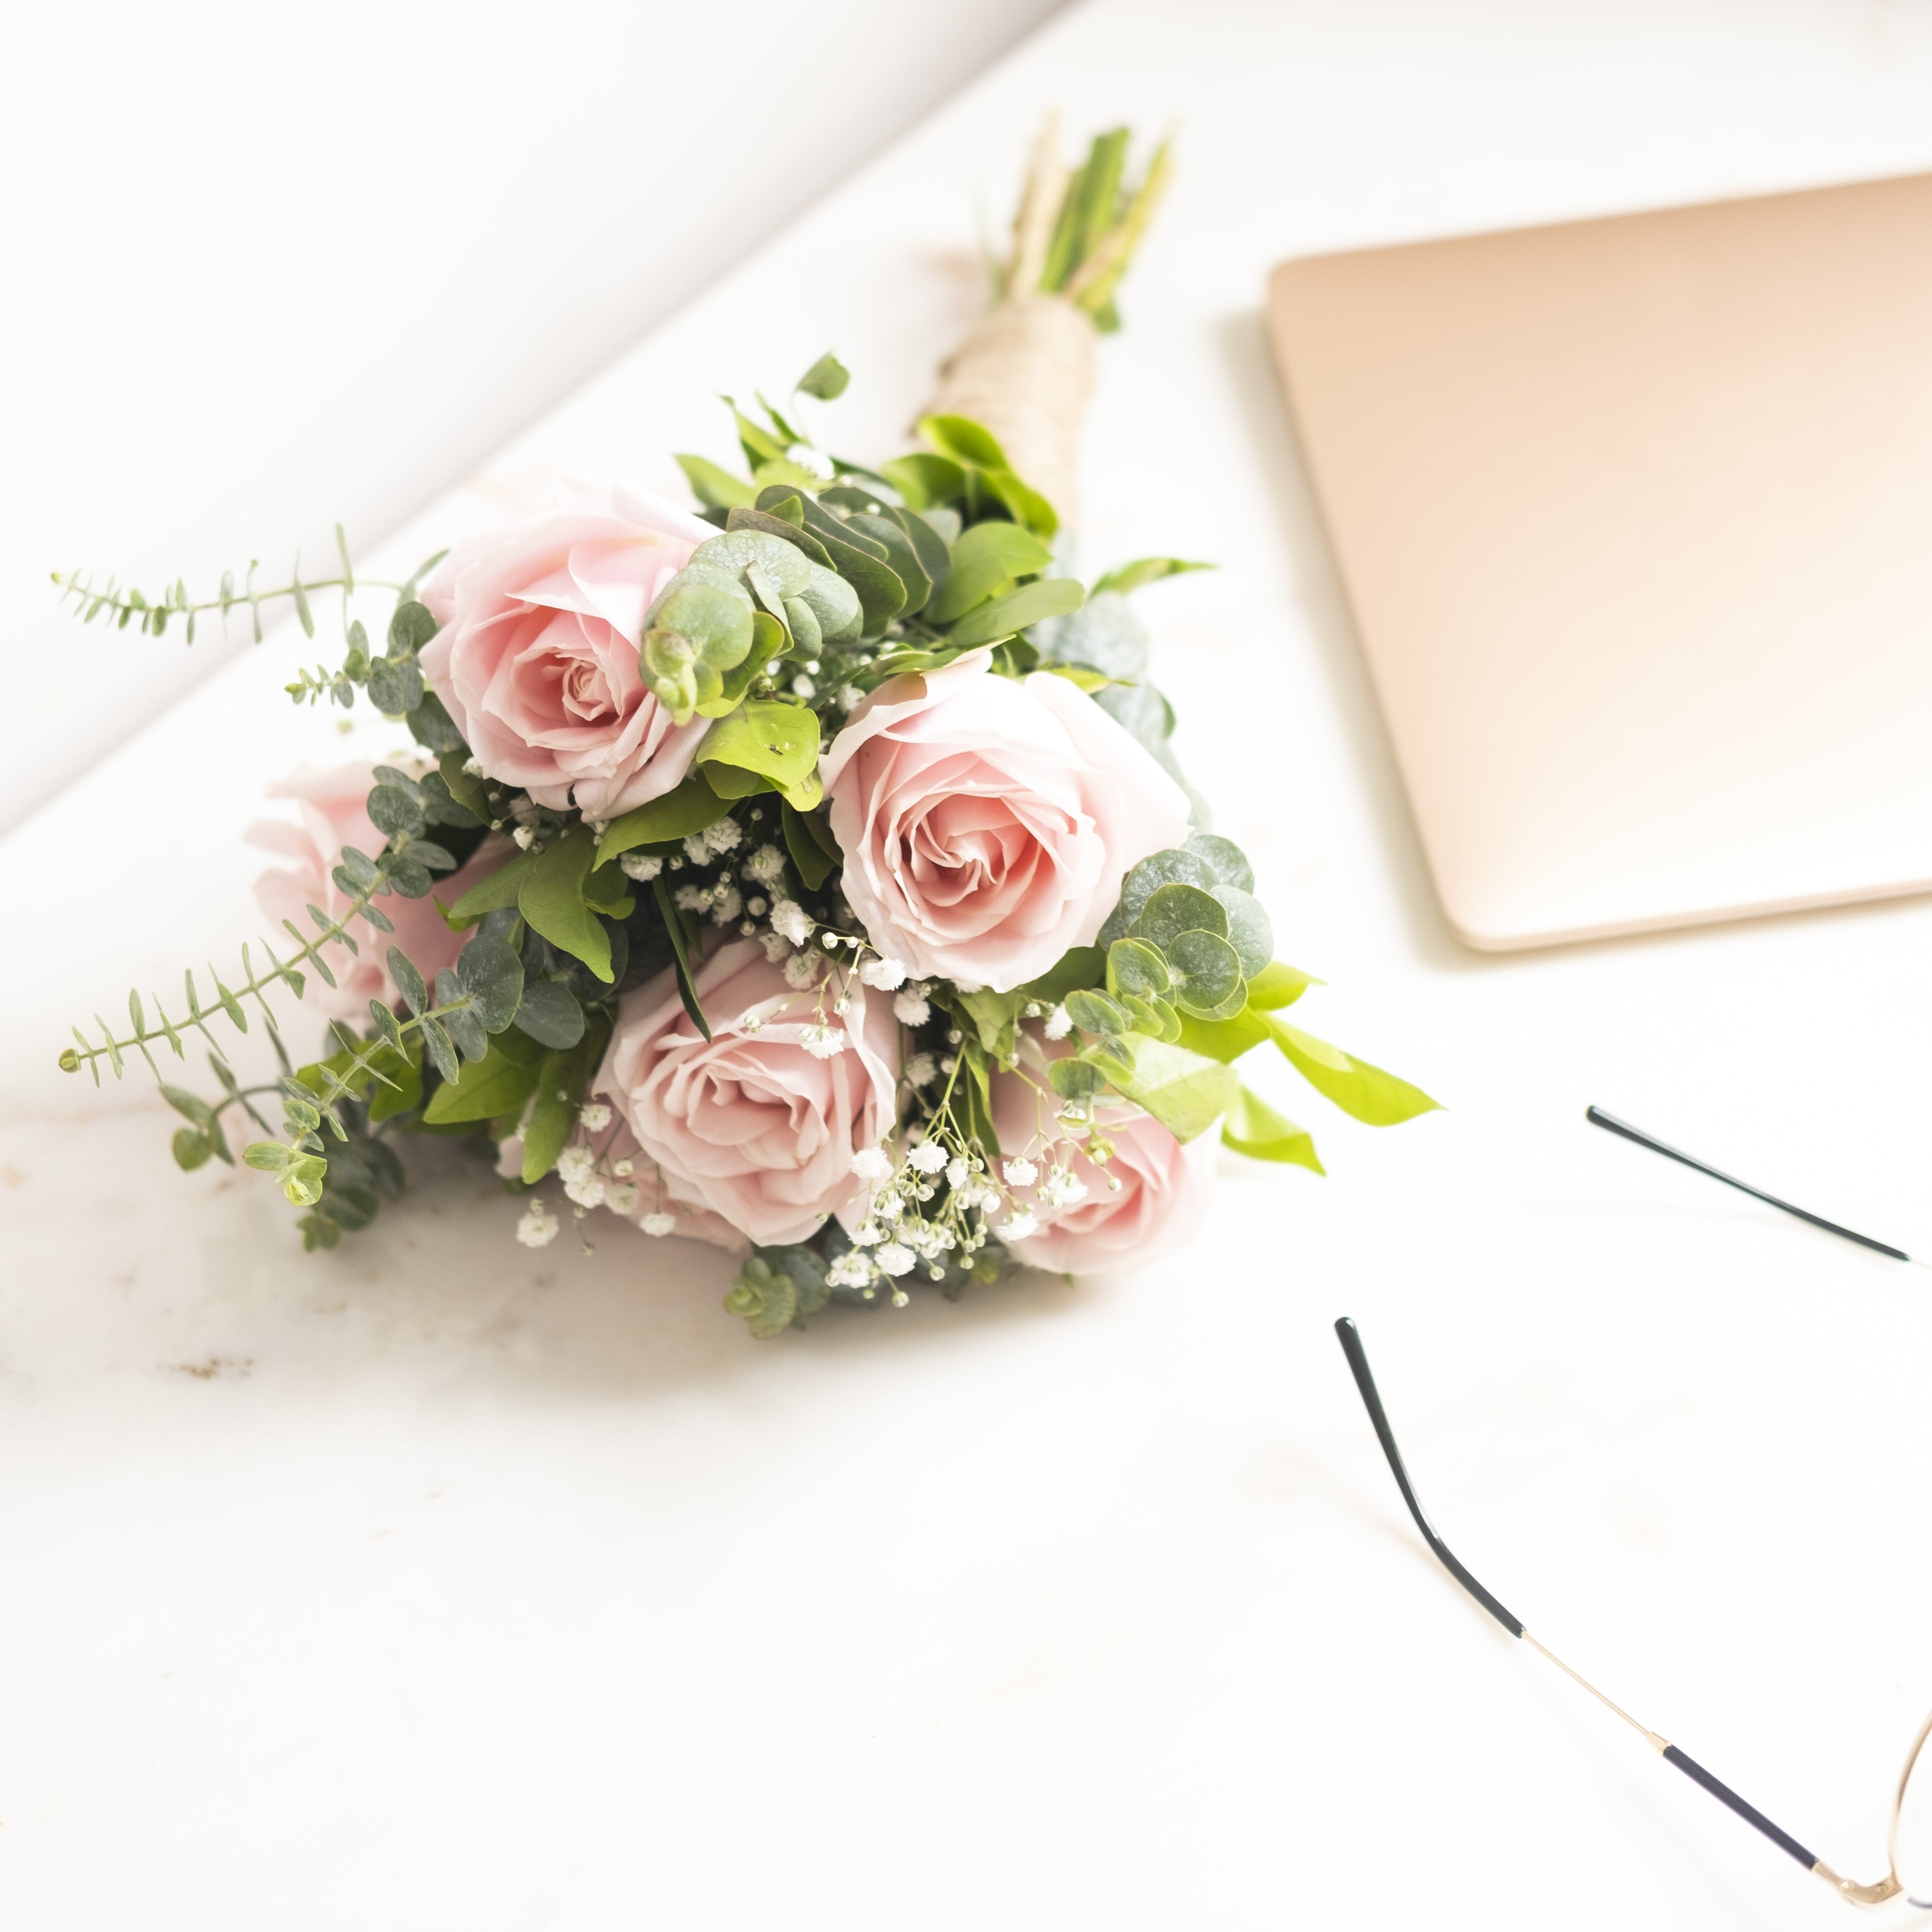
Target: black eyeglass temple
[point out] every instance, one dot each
(1358, 1360)
(1611, 1124)
(1350, 1339)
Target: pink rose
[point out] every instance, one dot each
(333, 815)
(537, 658)
(1162, 1198)
(987, 824)
(754, 1125)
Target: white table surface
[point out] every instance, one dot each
(436, 1584)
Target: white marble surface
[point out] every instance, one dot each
(432, 1584)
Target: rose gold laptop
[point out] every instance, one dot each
(1635, 516)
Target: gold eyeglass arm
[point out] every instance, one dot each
(1853, 1893)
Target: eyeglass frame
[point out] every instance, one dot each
(1850, 1890)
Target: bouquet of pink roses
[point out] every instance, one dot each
(810, 874)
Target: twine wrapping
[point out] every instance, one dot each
(1026, 373)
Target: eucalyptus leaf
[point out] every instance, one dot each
(1249, 932)
(397, 812)
(1134, 966)
(1172, 909)
(1224, 858)
(433, 728)
(1171, 867)
(463, 1024)
(1207, 970)
(493, 977)
(550, 1013)
(409, 981)
(780, 560)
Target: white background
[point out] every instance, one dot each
(272, 267)
(434, 1584)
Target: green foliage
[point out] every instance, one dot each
(777, 1289)
(716, 488)
(551, 896)
(1127, 576)
(563, 1080)
(690, 808)
(766, 745)
(809, 841)
(826, 379)
(1253, 1128)
(498, 1084)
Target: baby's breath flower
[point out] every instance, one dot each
(929, 1157)
(725, 836)
(621, 1197)
(1059, 1023)
(593, 1117)
(909, 1009)
(576, 1168)
(803, 687)
(524, 836)
(659, 1223)
(871, 1163)
(624, 1169)
(822, 1042)
(801, 970)
(921, 1070)
(1062, 1188)
(896, 1259)
(853, 1269)
(849, 697)
(956, 1171)
(792, 919)
(726, 904)
(885, 974)
(776, 945)
(643, 866)
(696, 850)
(1020, 1173)
(766, 866)
(693, 898)
(538, 1228)
(1018, 1228)
(757, 908)
(750, 1020)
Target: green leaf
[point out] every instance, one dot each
(191, 1148)
(391, 1081)
(924, 480)
(1025, 504)
(775, 740)
(985, 560)
(1186, 1092)
(607, 890)
(562, 1081)
(409, 981)
(1253, 1128)
(467, 790)
(551, 897)
(494, 894)
(1278, 985)
(901, 555)
(765, 1298)
(1145, 570)
(963, 439)
(1381, 1099)
(815, 866)
(1207, 972)
(267, 1157)
(1081, 966)
(550, 1013)
(996, 1015)
(190, 1106)
(499, 1083)
(661, 821)
(674, 930)
(411, 626)
(1136, 968)
(768, 642)
(1170, 911)
(1226, 1039)
(433, 728)
(825, 379)
(1098, 1013)
(492, 976)
(717, 489)
(1047, 597)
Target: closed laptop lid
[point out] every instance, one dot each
(1635, 519)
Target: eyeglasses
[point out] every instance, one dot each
(1909, 1840)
